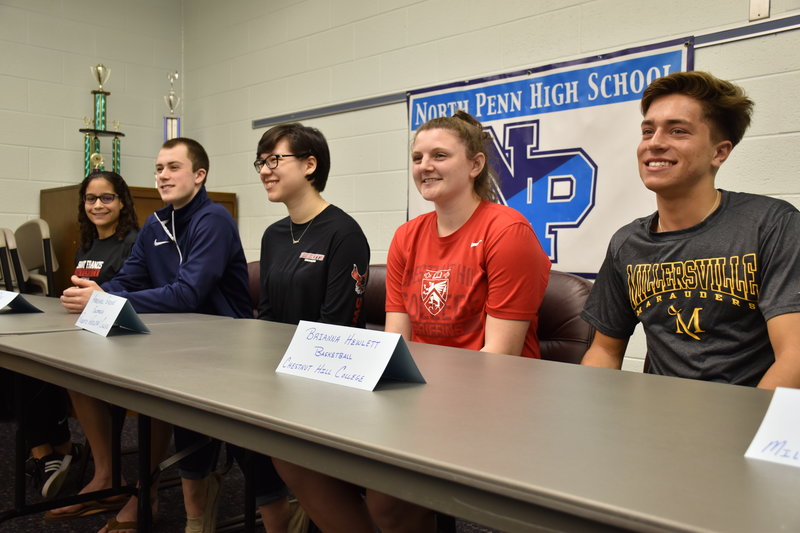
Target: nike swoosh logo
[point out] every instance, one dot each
(156, 242)
(474, 244)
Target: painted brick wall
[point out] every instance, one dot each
(247, 60)
(46, 50)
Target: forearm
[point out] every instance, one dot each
(784, 335)
(601, 358)
(505, 336)
(605, 352)
(784, 372)
(398, 323)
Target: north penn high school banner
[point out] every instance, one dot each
(564, 141)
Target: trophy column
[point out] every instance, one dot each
(96, 128)
(172, 124)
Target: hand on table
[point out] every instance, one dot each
(75, 298)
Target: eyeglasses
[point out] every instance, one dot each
(107, 198)
(273, 160)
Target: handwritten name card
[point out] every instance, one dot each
(16, 303)
(778, 438)
(352, 357)
(104, 311)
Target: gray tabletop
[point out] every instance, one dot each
(55, 318)
(504, 441)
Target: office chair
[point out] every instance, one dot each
(18, 272)
(374, 307)
(36, 253)
(5, 263)
(563, 335)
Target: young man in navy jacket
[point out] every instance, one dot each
(188, 258)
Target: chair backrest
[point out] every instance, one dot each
(18, 270)
(36, 251)
(254, 285)
(5, 263)
(374, 307)
(563, 335)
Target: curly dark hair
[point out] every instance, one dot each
(127, 216)
(724, 104)
(470, 131)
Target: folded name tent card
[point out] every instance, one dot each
(778, 438)
(17, 304)
(104, 311)
(347, 356)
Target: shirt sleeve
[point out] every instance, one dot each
(204, 263)
(347, 281)
(608, 308)
(134, 274)
(517, 271)
(395, 269)
(780, 257)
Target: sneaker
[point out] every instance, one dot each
(53, 470)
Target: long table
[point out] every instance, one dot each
(54, 318)
(516, 444)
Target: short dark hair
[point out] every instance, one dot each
(194, 150)
(304, 141)
(127, 215)
(470, 131)
(724, 104)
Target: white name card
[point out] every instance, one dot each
(352, 357)
(778, 438)
(18, 304)
(104, 311)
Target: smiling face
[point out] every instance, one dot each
(104, 216)
(287, 182)
(678, 153)
(443, 173)
(176, 181)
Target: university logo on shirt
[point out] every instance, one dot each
(435, 284)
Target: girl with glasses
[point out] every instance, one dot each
(108, 229)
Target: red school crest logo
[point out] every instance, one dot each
(435, 285)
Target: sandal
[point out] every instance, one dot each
(89, 508)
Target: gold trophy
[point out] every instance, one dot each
(96, 128)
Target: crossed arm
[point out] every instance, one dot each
(500, 336)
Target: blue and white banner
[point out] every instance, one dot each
(564, 144)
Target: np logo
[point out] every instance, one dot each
(555, 189)
(435, 285)
(692, 327)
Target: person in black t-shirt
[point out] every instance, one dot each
(314, 266)
(108, 228)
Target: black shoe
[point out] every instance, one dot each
(51, 472)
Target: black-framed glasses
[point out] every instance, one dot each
(90, 199)
(273, 160)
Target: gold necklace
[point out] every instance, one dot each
(713, 207)
(291, 231)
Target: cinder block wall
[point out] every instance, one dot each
(250, 60)
(46, 50)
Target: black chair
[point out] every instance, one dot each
(374, 307)
(563, 335)
(5, 264)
